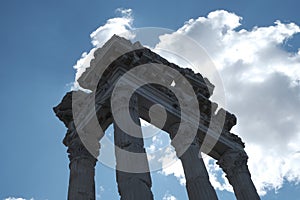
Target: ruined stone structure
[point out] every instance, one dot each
(94, 114)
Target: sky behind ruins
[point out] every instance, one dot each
(258, 58)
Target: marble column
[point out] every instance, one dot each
(133, 176)
(198, 185)
(234, 164)
(82, 168)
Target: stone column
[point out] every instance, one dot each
(82, 168)
(82, 163)
(198, 185)
(234, 164)
(133, 176)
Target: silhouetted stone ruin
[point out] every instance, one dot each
(88, 114)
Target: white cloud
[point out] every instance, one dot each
(214, 172)
(121, 26)
(171, 165)
(100, 192)
(101, 188)
(168, 196)
(14, 198)
(261, 81)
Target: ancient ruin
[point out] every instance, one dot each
(150, 82)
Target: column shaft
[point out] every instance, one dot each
(82, 162)
(82, 172)
(82, 169)
(197, 180)
(133, 176)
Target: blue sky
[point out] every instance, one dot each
(41, 41)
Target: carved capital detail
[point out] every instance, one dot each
(233, 162)
(76, 148)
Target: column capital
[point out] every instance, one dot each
(182, 142)
(233, 162)
(76, 148)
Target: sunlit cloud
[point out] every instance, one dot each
(168, 196)
(14, 198)
(261, 82)
(121, 26)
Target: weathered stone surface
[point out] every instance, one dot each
(234, 164)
